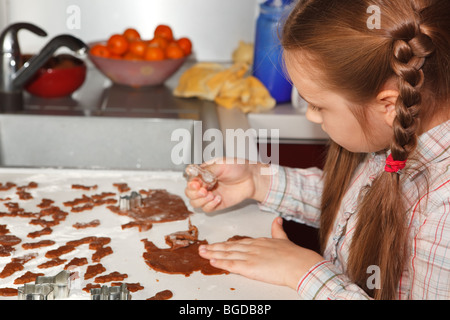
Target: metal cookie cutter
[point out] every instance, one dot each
(35, 292)
(132, 201)
(194, 170)
(111, 293)
(60, 284)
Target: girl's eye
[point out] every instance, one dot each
(314, 108)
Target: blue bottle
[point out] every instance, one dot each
(267, 64)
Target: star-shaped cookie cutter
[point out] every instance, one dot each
(47, 288)
(111, 293)
(209, 178)
(35, 292)
(60, 284)
(132, 201)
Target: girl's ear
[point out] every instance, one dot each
(386, 101)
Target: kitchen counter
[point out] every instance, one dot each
(126, 243)
(290, 124)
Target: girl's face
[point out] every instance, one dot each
(331, 110)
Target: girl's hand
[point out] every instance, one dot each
(273, 260)
(236, 182)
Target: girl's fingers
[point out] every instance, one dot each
(213, 204)
(234, 256)
(233, 266)
(223, 255)
(194, 184)
(208, 203)
(239, 245)
(199, 201)
(194, 190)
(200, 197)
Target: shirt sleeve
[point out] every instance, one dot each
(430, 262)
(324, 282)
(428, 276)
(295, 194)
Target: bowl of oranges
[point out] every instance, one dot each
(129, 60)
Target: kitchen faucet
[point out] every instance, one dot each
(14, 74)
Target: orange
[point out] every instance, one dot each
(164, 31)
(137, 47)
(100, 50)
(154, 54)
(186, 45)
(117, 44)
(131, 56)
(131, 34)
(159, 42)
(115, 56)
(173, 51)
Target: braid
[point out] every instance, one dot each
(411, 47)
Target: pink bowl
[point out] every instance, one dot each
(136, 73)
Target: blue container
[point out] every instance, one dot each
(268, 63)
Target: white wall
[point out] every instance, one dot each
(2, 14)
(214, 26)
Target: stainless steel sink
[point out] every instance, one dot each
(103, 126)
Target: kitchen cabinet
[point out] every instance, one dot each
(299, 155)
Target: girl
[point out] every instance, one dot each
(382, 202)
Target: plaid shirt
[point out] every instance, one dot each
(295, 195)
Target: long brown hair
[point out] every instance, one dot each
(412, 46)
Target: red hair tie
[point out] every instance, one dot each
(393, 166)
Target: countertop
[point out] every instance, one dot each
(126, 243)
